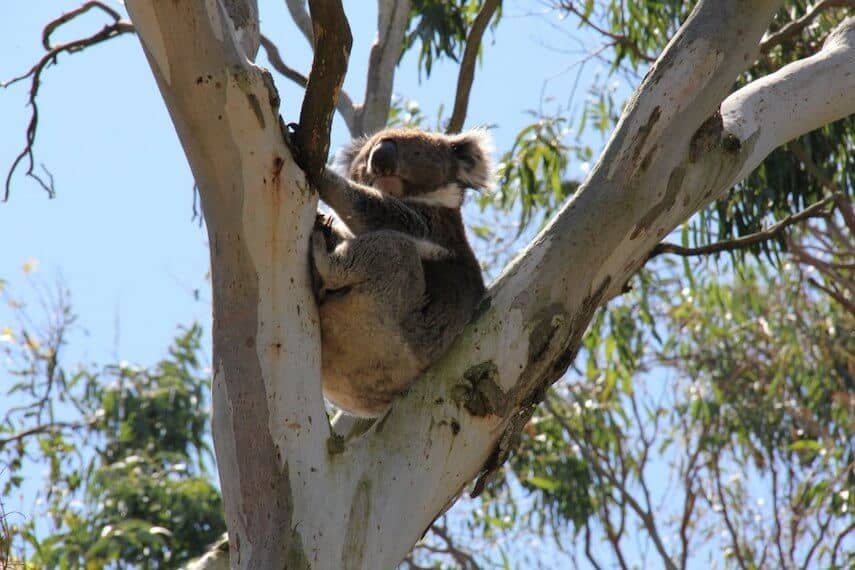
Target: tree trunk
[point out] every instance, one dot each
(297, 495)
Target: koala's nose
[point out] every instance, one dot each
(384, 157)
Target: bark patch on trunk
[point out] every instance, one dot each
(480, 393)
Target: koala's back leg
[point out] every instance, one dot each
(384, 265)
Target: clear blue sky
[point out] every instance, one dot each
(119, 233)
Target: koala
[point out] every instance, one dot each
(396, 278)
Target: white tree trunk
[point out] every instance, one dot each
(298, 496)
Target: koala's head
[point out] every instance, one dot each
(419, 166)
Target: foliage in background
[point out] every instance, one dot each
(125, 451)
(439, 29)
(632, 35)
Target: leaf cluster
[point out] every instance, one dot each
(439, 30)
(127, 480)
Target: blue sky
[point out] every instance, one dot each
(119, 233)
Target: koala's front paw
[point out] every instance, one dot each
(324, 224)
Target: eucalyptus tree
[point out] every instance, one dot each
(300, 491)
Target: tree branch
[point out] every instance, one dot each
(588, 551)
(344, 106)
(333, 43)
(467, 65)
(52, 26)
(725, 513)
(116, 28)
(689, 476)
(836, 295)
(392, 17)
(795, 27)
(279, 64)
(822, 529)
(816, 210)
(776, 513)
(51, 428)
(301, 18)
(838, 542)
(807, 94)
(465, 560)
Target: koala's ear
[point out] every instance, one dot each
(346, 154)
(472, 150)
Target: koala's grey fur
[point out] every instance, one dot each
(397, 279)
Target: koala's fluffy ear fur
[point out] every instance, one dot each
(345, 155)
(473, 149)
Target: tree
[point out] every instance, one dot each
(289, 478)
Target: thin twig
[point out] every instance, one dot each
(836, 295)
(837, 544)
(52, 26)
(688, 505)
(795, 27)
(617, 39)
(52, 428)
(463, 559)
(588, 554)
(814, 211)
(820, 538)
(731, 529)
(467, 65)
(110, 31)
(776, 513)
(821, 266)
